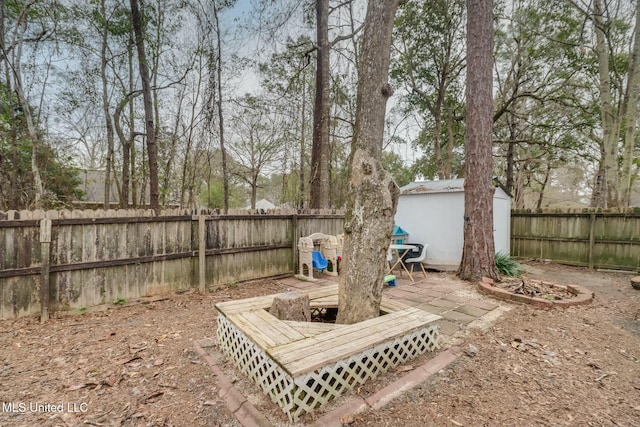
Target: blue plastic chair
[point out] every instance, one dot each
(318, 261)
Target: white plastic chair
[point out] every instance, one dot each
(419, 259)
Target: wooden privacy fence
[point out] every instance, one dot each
(62, 260)
(596, 239)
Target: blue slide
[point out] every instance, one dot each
(318, 261)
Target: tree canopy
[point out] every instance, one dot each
(565, 95)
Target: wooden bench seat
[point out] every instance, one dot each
(387, 305)
(323, 297)
(264, 302)
(311, 329)
(303, 365)
(315, 352)
(301, 347)
(324, 302)
(264, 329)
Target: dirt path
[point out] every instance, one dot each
(136, 365)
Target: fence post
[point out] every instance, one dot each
(202, 254)
(45, 249)
(592, 237)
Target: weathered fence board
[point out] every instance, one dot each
(97, 257)
(595, 239)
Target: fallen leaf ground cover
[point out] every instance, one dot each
(134, 364)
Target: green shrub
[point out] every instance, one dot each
(507, 266)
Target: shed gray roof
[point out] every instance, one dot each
(429, 187)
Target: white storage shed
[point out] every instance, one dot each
(432, 212)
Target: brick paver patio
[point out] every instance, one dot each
(459, 303)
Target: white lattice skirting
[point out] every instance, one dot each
(299, 395)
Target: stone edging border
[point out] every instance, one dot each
(249, 416)
(581, 295)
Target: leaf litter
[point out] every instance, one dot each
(135, 365)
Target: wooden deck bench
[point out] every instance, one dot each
(302, 365)
(303, 356)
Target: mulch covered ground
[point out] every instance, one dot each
(135, 365)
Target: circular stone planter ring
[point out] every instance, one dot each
(580, 295)
(635, 282)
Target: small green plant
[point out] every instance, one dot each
(119, 301)
(82, 310)
(232, 284)
(507, 266)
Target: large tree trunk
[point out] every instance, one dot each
(303, 144)
(510, 167)
(171, 157)
(478, 253)
(372, 193)
(631, 102)
(126, 143)
(254, 189)
(609, 133)
(319, 180)
(543, 186)
(612, 185)
(129, 179)
(451, 141)
(152, 149)
(15, 193)
(105, 105)
(38, 185)
(223, 151)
